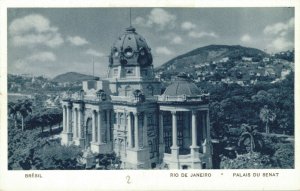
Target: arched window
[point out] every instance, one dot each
(150, 89)
(127, 91)
(122, 120)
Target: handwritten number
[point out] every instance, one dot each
(128, 179)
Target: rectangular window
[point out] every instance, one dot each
(150, 120)
(115, 118)
(115, 72)
(144, 72)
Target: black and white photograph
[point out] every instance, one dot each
(172, 89)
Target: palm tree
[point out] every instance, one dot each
(37, 121)
(25, 107)
(13, 111)
(248, 135)
(266, 115)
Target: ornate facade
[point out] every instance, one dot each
(127, 114)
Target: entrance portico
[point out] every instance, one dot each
(188, 143)
(184, 123)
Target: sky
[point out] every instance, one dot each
(52, 41)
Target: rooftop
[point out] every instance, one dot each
(182, 86)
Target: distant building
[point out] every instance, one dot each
(127, 114)
(246, 58)
(266, 59)
(225, 59)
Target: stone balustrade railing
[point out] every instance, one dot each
(182, 98)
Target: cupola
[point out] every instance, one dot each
(130, 49)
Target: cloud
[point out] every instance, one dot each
(172, 38)
(95, 53)
(158, 17)
(77, 40)
(280, 35)
(42, 57)
(280, 28)
(280, 44)
(51, 40)
(33, 30)
(140, 21)
(163, 50)
(30, 22)
(202, 34)
(176, 40)
(187, 25)
(246, 38)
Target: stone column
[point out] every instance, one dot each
(69, 119)
(81, 127)
(94, 127)
(174, 129)
(161, 137)
(174, 148)
(209, 148)
(64, 119)
(99, 127)
(203, 119)
(136, 131)
(129, 127)
(161, 128)
(77, 124)
(194, 129)
(81, 123)
(194, 147)
(69, 123)
(74, 122)
(145, 129)
(207, 125)
(206, 144)
(108, 125)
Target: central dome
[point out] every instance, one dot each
(130, 49)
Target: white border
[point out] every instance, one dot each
(140, 179)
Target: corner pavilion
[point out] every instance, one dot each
(127, 114)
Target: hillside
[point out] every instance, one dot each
(211, 53)
(72, 77)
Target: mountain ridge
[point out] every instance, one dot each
(212, 53)
(73, 77)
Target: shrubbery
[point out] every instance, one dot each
(247, 161)
(29, 150)
(273, 154)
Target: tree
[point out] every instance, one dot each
(284, 155)
(13, 112)
(266, 115)
(57, 156)
(21, 108)
(22, 147)
(24, 109)
(248, 136)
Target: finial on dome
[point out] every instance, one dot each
(130, 17)
(130, 29)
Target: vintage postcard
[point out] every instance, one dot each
(149, 96)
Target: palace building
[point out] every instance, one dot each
(127, 113)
